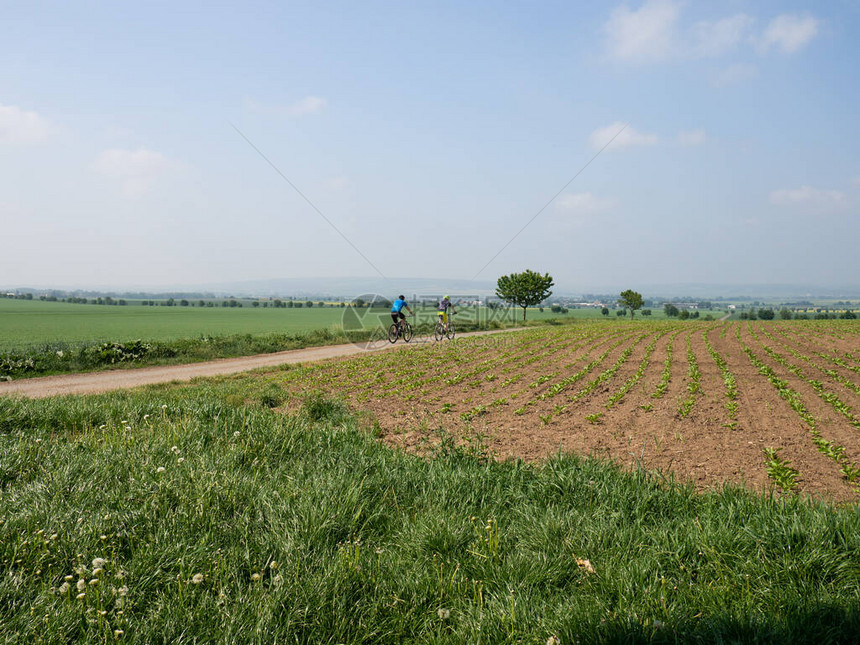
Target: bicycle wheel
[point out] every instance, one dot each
(450, 333)
(438, 332)
(392, 333)
(407, 331)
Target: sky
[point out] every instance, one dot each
(152, 145)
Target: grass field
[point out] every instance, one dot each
(26, 323)
(30, 323)
(208, 513)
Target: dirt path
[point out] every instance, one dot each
(97, 382)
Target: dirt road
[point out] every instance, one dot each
(96, 382)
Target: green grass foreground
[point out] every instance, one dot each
(201, 514)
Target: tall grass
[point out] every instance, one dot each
(206, 513)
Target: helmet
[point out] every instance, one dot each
(401, 297)
(447, 297)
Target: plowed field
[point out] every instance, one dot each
(768, 404)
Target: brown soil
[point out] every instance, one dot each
(467, 393)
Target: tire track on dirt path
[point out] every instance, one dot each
(98, 382)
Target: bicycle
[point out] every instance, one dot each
(403, 330)
(439, 332)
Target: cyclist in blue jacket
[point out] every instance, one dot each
(396, 311)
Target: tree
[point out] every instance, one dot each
(604, 311)
(670, 310)
(631, 300)
(524, 289)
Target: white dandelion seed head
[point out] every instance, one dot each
(145, 417)
(160, 469)
(180, 460)
(164, 407)
(64, 589)
(125, 423)
(174, 449)
(98, 572)
(94, 582)
(443, 613)
(81, 596)
(69, 578)
(255, 577)
(237, 433)
(122, 591)
(99, 563)
(103, 537)
(553, 640)
(278, 581)
(81, 584)
(102, 426)
(197, 579)
(117, 633)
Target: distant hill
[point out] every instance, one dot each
(351, 287)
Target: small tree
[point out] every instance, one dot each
(604, 311)
(670, 310)
(631, 300)
(524, 289)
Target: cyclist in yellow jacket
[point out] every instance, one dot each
(444, 305)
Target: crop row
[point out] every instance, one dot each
(828, 448)
(728, 380)
(817, 386)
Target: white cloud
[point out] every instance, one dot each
(655, 33)
(646, 35)
(809, 196)
(715, 38)
(137, 170)
(734, 74)
(307, 105)
(692, 137)
(21, 126)
(788, 33)
(628, 137)
(584, 203)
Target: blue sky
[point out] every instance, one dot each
(429, 134)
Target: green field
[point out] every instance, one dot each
(29, 323)
(26, 323)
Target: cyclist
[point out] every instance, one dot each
(442, 311)
(396, 314)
